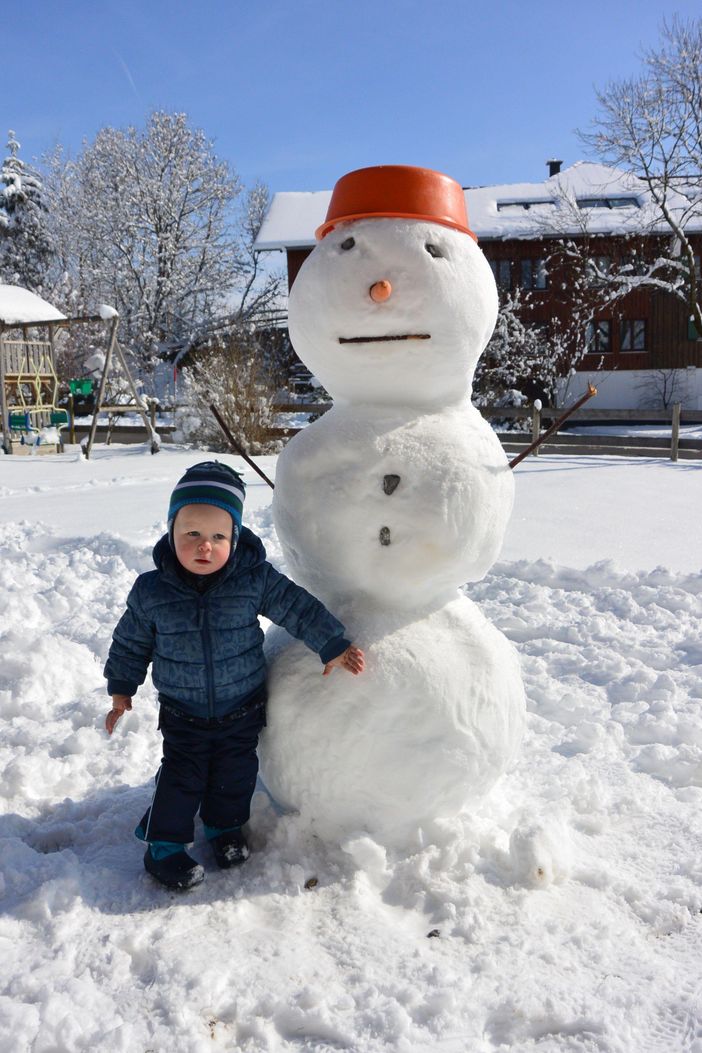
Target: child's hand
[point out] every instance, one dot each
(353, 659)
(120, 703)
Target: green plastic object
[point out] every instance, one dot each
(20, 422)
(81, 386)
(58, 417)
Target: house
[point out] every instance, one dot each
(640, 349)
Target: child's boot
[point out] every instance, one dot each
(174, 869)
(230, 848)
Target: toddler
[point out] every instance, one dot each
(195, 618)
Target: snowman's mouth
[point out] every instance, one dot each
(384, 339)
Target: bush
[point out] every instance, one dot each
(233, 375)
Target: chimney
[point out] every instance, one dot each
(554, 167)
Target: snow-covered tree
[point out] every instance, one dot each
(145, 221)
(651, 125)
(527, 359)
(25, 244)
(590, 277)
(254, 304)
(521, 361)
(259, 289)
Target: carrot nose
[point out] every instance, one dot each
(381, 291)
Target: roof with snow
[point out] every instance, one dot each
(585, 198)
(19, 306)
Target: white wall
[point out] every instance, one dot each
(635, 388)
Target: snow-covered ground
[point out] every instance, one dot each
(564, 917)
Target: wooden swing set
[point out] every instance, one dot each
(32, 420)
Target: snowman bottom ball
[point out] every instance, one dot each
(421, 735)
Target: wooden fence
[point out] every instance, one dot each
(514, 439)
(516, 428)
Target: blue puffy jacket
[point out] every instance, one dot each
(207, 648)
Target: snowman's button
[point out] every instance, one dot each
(381, 291)
(384, 536)
(390, 484)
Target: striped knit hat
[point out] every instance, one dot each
(209, 483)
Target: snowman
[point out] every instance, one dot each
(385, 507)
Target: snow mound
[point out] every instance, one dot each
(312, 946)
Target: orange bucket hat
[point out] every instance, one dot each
(402, 191)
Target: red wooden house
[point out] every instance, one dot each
(637, 345)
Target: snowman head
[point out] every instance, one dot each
(395, 304)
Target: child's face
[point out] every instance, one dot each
(202, 535)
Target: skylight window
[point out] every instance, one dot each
(608, 202)
(522, 206)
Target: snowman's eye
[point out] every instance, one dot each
(434, 250)
(348, 244)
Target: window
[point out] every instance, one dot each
(608, 202)
(502, 272)
(599, 337)
(533, 274)
(633, 334)
(524, 205)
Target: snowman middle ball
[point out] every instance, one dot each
(399, 508)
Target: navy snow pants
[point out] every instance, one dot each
(211, 768)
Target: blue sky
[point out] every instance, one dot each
(297, 92)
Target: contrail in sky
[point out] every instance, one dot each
(127, 74)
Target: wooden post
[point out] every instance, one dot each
(591, 390)
(139, 404)
(101, 387)
(71, 417)
(675, 432)
(4, 407)
(536, 424)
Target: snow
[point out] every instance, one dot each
(20, 307)
(497, 211)
(567, 907)
(95, 364)
(292, 219)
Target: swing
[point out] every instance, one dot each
(30, 416)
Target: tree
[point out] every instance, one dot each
(651, 126)
(521, 360)
(25, 244)
(253, 304)
(144, 221)
(259, 292)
